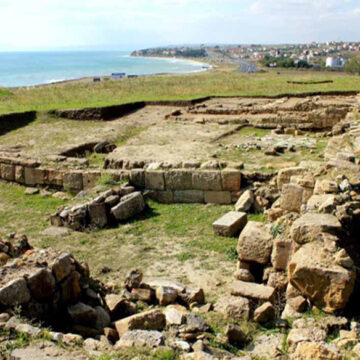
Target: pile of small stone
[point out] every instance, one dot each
(112, 206)
(53, 288)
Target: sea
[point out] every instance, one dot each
(35, 68)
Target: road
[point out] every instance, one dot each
(246, 67)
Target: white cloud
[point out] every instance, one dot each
(138, 23)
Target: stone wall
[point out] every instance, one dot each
(167, 186)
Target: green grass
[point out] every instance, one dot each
(171, 87)
(4, 93)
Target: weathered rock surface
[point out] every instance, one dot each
(149, 320)
(310, 227)
(230, 224)
(313, 271)
(255, 243)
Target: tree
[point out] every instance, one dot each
(353, 65)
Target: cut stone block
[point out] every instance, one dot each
(178, 179)
(217, 197)
(207, 180)
(73, 180)
(255, 243)
(230, 224)
(189, 196)
(154, 180)
(129, 206)
(231, 180)
(7, 172)
(252, 290)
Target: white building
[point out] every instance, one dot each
(335, 63)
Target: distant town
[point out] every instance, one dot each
(318, 56)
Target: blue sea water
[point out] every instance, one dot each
(34, 68)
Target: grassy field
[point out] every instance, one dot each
(173, 241)
(167, 87)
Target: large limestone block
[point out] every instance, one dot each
(137, 178)
(129, 206)
(14, 293)
(178, 179)
(217, 197)
(230, 224)
(19, 174)
(252, 290)
(255, 243)
(310, 227)
(315, 351)
(72, 180)
(284, 175)
(316, 201)
(149, 320)
(207, 180)
(313, 271)
(245, 201)
(154, 180)
(292, 197)
(141, 338)
(281, 253)
(90, 179)
(189, 196)
(7, 172)
(55, 177)
(97, 213)
(41, 284)
(231, 180)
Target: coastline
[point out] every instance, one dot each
(89, 79)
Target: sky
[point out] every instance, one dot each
(27, 25)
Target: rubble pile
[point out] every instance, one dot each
(110, 207)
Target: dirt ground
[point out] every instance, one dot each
(229, 129)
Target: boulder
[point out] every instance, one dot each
(149, 320)
(97, 214)
(140, 338)
(41, 284)
(235, 335)
(175, 315)
(245, 201)
(284, 175)
(129, 206)
(63, 266)
(244, 275)
(231, 223)
(313, 271)
(267, 346)
(255, 243)
(234, 307)
(133, 279)
(83, 314)
(252, 290)
(315, 351)
(307, 334)
(325, 187)
(316, 201)
(166, 295)
(310, 227)
(119, 307)
(264, 313)
(15, 293)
